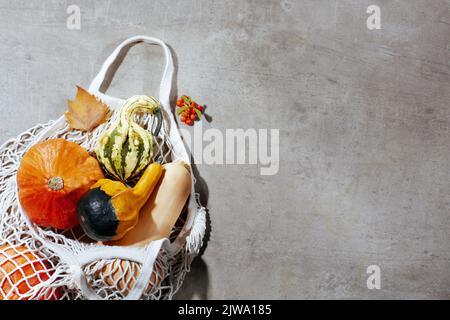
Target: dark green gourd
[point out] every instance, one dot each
(110, 209)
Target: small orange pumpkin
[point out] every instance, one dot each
(21, 273)
(52, 177)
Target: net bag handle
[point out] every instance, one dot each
(164, 98)
(165, 88)
(166, 81)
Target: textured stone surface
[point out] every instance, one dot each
(364, 125)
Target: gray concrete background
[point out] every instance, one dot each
(364, 125)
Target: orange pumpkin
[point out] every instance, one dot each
(52, 177)
(20, 272)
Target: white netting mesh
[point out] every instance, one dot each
(65, 258)
(22, 274)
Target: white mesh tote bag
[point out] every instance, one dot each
(76, 267)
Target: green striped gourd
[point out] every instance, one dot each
(125, 149)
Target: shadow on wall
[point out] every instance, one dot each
(196, 283)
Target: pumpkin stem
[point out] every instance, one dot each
(56, 183)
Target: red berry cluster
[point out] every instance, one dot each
(189, 110)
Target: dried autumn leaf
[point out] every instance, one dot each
(86, 112)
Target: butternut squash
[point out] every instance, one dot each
(161, 211)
